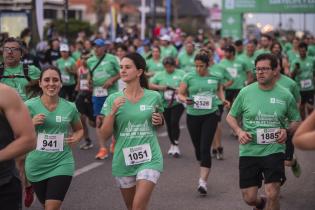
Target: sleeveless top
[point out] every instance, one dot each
(7, 168)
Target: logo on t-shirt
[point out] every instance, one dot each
(145, 107)
(276, 101)
(58, 118)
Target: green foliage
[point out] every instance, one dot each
(74, 27)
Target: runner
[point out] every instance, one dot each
(84, 99)
(50, 166)
(132, 116)
(263, 133)
(186, 57)
(248, 58)
(104, 70)
(167, 82)
(302, 70)
(66, 64)
(17, 138)
(200, 91)
(155, 63)
(167, 48)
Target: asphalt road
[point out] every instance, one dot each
(93, 187)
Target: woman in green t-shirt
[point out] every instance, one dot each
(132, 115)
(201, 91)
(155, 64)
(50, 166)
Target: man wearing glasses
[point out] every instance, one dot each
(12, 72)
(265, 107)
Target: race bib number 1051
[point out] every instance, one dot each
(137, 155)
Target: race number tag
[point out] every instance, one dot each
(50, 142)
(306, 83)
(267, 135)
(99, 92)
(233, 72)
(65, 78)
(84, 84)
(137, 155)
(202, 102)
(168, 94)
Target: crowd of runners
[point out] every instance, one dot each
(128, 88)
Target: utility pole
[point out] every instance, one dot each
(66, 18)
(153, 12)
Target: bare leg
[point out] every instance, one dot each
(272, 191)
(128, 195)
(143, 194)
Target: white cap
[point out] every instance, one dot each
(166, 37)
(64, 47)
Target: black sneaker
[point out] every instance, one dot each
(202, 190)
(214, 153)
(219, 154)
(86, 145)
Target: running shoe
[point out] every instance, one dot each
(214, 153)
(86, 145)
(112, 147)
(102, 154)
(176, 151)
(262, 205)
(171, 150)
(202, 188)
(28, 196)
(219, 154)
(296, 169)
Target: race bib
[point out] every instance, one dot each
(84, 84)
(100, 92)
(168, 94)
(202, 102)
(233, 72)
(267, 135)
(50, 142)
(137, 155)
(65, 78)
(306, 84)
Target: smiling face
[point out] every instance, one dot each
(50, 83)
(128, 71)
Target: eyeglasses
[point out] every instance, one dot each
(263, 69)
(11, 49)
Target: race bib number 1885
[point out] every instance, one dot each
(267, 135)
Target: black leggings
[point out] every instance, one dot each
(202, 129)
(68, 92)
(11, 195)
(53, 188)
(172, 116)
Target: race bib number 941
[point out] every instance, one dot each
(50, 142)
(267, 135)
(137, 155)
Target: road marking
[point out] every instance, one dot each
(164, 134)
(87, 168)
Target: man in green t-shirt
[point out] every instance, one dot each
(167, 48)
(265, 108)
(302, 69)
(248, 58)
(13, 71)
(186, 58)
(265, 43)
(104, 70)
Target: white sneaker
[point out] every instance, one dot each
(171, 150)
(176, 151)
(202, 187)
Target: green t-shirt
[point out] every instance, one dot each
(133, 128)
(203, 90)
(291, 86)
(39, 164)
(67, 78)
(248, 61)
(304, 77)
(108, 68)
(287, 47)
(261, 110)
(166, 79)
(186, 62)
(238, 72)
(168, 51)
(154, 66)
(19, 83)
(76, 55)
(311, 50)
(261, 51)
(292, 56)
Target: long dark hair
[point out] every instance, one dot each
(32, 88)
(140, 63)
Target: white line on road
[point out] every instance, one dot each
(87, 168)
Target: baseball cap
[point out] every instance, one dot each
(64, 47)
(166, 37)
(229, 48)
(99, 42)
